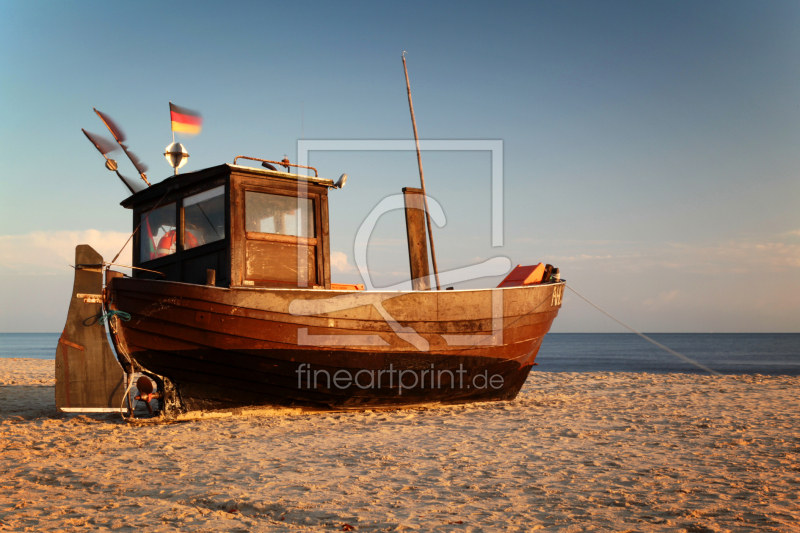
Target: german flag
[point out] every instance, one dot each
(185, 120)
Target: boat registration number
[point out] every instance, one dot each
(558, 292)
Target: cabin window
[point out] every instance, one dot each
(279, 215)
(204, 217)
(157, 233)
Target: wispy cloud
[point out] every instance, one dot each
(50, 252)
(750, 257)
(662, 300)
(340, 264)
(738, 256)
(390, 243)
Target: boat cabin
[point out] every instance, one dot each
(232, 226)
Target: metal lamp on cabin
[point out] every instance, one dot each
(176, 155)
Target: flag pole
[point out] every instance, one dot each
(422, 177)
(170, 122)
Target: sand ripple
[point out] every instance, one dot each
(575, 452)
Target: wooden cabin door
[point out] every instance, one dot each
(281, 244)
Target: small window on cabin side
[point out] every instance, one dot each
(157, 233)
(278, 214)
(204, 217)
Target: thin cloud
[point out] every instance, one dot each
(43, 253)
(737, 256)
(662, 300)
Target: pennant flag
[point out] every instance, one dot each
(115, 130)
(185, 120)
(103, 145)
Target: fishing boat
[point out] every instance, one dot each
(230, 307)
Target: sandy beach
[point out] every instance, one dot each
(574, 452)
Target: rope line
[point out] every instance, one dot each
(135, 268)
(645, 337)
(126, 395)
(140, 225)
(108, 316)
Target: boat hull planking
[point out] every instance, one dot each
(216, 349)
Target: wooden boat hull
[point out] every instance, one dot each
(224, 349)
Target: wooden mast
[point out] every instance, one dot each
(422, 177)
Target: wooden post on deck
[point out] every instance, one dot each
(417, 244)
(422, 182)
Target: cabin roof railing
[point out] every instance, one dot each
(325, 182)
(174, 183)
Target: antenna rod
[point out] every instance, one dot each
(422, 177)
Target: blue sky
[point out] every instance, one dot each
(650, 149)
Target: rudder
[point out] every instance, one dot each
(88, 376)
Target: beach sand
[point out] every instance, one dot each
(574, 452)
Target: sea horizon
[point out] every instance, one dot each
(726, 353)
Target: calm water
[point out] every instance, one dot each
(727, 353)
(30, 345)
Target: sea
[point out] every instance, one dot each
(726, 353)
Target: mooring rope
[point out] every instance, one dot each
(125, 396)
(108, 316)
(645, 337)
